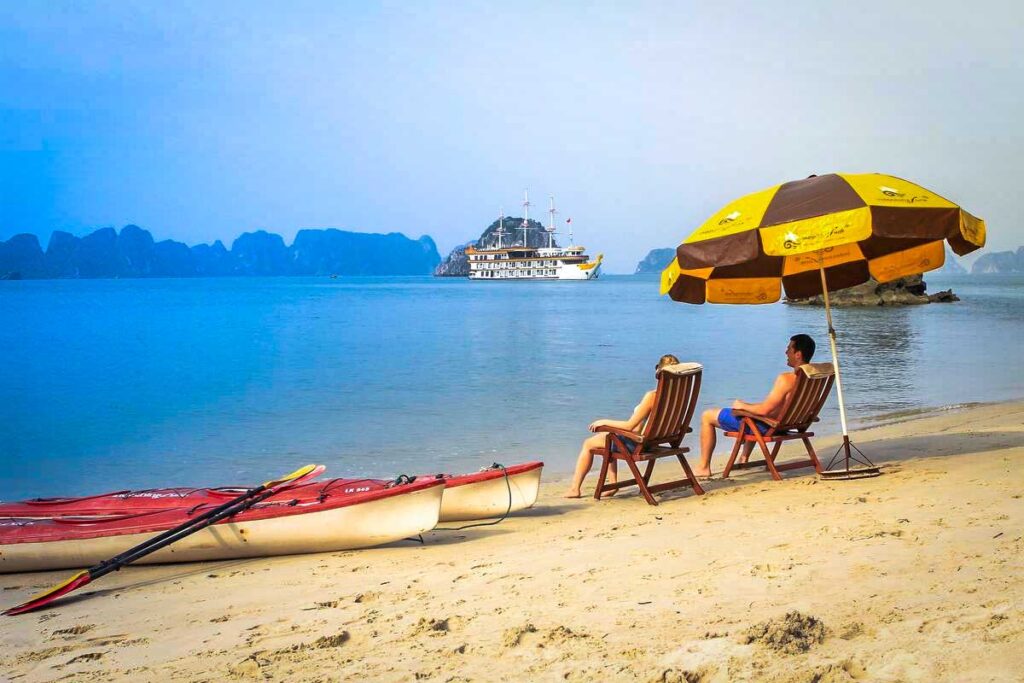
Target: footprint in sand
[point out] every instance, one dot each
(513, 636)
(87, 657)
(434, 627)
(73, 631)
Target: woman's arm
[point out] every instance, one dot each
(640, 414)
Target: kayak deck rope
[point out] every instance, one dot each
(263, 506)
(504, 516)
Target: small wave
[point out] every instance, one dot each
(896, 416)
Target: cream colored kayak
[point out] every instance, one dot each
(492, 492)
(342, 520)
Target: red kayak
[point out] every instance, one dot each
(335, 519)
(491, 492)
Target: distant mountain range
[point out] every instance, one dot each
(1000, 262)
(658, 259)
(133, 253)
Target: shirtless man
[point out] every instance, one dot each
(799, 351)
(585, 460)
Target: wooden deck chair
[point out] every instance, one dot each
(814, 381)
(661, 436)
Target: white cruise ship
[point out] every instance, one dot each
(532, 263)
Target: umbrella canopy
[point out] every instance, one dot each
(817, 235)
(853, 226)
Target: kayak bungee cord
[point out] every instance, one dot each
(504, 515)
(406, 479)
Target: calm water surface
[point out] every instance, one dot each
(111, 384)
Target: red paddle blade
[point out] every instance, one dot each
(46, 597)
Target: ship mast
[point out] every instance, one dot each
(526, 216)
(501, 226)
(551, 224)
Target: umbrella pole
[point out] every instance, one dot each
(847, 444)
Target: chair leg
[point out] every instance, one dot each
(640, 481)
(689, 475)
(735, 450)
(769, 460)
(814, 456)
(647, 472)
(605, 461)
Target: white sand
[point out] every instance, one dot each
(914, 575)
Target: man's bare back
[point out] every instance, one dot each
(799, 351)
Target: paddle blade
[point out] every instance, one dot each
(48, 596)
(170, 536)
(307, 472)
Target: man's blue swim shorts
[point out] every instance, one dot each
(731, 423)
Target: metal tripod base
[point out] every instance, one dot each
(865, 467)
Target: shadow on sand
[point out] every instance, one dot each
(888, 451)
(442, 536)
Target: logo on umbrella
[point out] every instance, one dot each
(791, 240)
(902, 196)
(730, 218)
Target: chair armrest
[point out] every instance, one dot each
(621, 432)
(759, 418)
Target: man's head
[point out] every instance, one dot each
(800, 350)
(667, 359)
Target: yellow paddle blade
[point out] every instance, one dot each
(297, 474)
(59, 586)
(48, 596)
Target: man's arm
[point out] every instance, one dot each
(773, 401)
(640, 414)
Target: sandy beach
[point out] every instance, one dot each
(913, 575)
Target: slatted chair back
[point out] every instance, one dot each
(674, 403)
(814, 381)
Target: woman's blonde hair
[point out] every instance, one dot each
(667, 359)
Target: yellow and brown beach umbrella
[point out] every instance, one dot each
(820, 234)
(855, 225)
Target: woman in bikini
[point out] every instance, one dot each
(634, 424)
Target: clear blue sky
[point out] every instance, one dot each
(200, 120)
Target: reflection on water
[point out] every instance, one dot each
(879, 355)
(124, 383)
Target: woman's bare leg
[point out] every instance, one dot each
(708, 439)
(584, 461)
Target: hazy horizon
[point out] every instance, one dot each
(199, 122)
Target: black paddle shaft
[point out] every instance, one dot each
(228, 509)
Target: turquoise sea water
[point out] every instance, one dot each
(109, 384)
